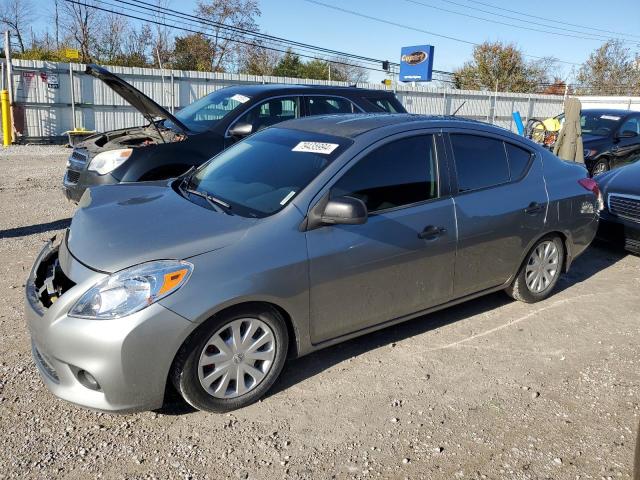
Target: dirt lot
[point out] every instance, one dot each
(490, 389)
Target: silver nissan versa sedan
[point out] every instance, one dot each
(301, 236)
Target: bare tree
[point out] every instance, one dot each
(344, 70)
(111, 37)
(17, 16)
(162, 37)
(81, 20)
(610, 69)
(258, 60)
(219, 15)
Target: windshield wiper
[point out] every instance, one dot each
(213, 201)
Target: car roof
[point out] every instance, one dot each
(353, 125)
(604, 111)
(274, 88)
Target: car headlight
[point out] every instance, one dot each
(131, 290)
(588, 153)
(106, 162)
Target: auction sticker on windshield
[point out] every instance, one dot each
(315, 147)
(609, 117)
(240, 98)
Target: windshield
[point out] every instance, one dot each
(260, 175)
(202, 114)
(599, 124)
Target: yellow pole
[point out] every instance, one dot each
(6, 118)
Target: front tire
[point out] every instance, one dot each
(600, 166)
(539, 272)
(231, 360)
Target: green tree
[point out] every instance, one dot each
(193, 52)
(610, 69)
(316, 69)
(504, 64)
(290, 65)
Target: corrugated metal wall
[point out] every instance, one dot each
(45, 105)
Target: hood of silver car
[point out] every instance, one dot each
(117, 226)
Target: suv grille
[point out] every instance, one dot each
(625, 207)
(50, 282)
(78, 156)
(73, 176)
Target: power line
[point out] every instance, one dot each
(592, 37)
(415, 29)
(262, 36)
(561, 22)
(79, 2)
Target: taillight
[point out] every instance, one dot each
(591, 185)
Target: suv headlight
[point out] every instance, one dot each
(589, 152)
(132, 289)
(106, 162)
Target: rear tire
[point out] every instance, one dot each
(218, 369)
(539, 272)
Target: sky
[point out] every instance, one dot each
(308, 22)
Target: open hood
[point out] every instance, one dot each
(147, 107)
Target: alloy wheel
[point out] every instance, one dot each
(600, 167)
(543, 266)
(236, 358)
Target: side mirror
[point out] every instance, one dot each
(344, 211)
(627, 134)
(241, 129)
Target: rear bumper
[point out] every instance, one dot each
(129, 357)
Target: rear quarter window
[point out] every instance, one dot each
(519, 159)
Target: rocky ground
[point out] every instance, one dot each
(490, 389)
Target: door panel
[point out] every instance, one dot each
(496, 224)
(494, 230)
(397, 263)
(363, 275)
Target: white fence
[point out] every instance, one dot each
(42, 94)
(622, 103)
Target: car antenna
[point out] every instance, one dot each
(458, 109)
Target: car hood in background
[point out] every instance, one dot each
(117, 226)
(145, 105)
(625, 180)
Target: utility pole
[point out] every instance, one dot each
(7, 56)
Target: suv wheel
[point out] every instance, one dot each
(539, 272)
(601, 166)
(232, 360)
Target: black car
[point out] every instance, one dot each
(611, 138)
(171, 144)
(620, 219)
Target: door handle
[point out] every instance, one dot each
(431, 232)
(534, 208)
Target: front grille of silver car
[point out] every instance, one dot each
(50, 282)
(625, 206)
(44, 364)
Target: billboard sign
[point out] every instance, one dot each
(416, 63)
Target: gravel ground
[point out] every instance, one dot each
(490, 389)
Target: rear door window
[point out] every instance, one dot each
(481, 162)
(271, 112)
(399, 173)
(384, 104)
(318, 105)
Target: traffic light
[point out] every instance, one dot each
(385, 65)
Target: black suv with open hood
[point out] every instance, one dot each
(168, 145)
